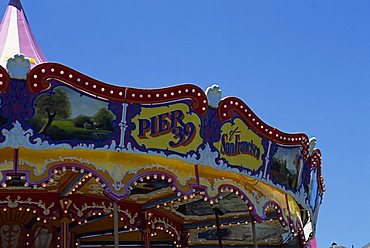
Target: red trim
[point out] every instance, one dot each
(39, 76)
(316, 161)
(4, 80)
(230, 105)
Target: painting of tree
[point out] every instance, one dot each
(65, 114)
(52, 106)
(103, 119)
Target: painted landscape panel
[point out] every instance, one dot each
(286, 166)
(66, 114)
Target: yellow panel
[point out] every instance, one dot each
(6, 160)
(168, 127)
(116, 167)
(239, 145)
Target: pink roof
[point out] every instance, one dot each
(16, 36)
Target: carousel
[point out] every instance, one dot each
(89, 164)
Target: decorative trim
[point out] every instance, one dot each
(316, 162)
(18, 66)
(4, 80)
(39, 76)
(230, 105)
(165, 223)
(29, 202)
(106, 209)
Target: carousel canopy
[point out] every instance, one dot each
(16, 36)
(170, 167)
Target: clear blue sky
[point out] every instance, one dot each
(302, 65)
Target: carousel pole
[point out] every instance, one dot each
(184, 241)
(254, 232)
(65, 232)
(218, 212)
(145, 231)
(116, 234)
(64, 223)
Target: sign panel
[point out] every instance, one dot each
(286, 165)
(171, 127)
(239, 145)
(65, 114)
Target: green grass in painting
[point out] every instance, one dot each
(65, 129)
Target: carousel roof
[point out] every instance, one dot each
(16, 36)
